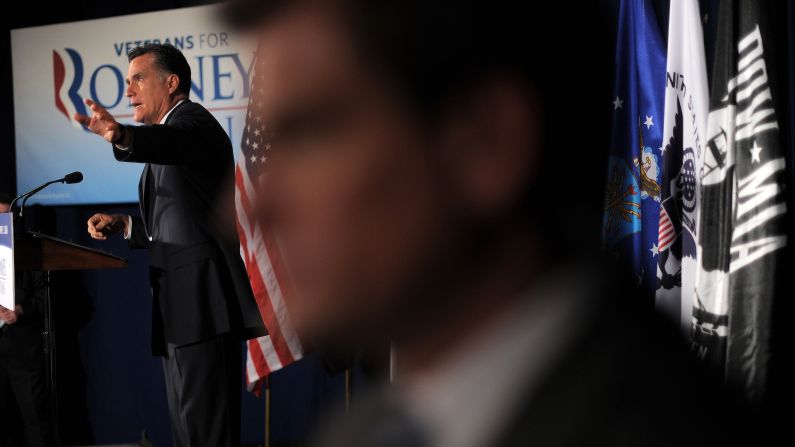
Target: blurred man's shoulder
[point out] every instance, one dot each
(628, 379)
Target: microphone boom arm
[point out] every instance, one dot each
(74, 177)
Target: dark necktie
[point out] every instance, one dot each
(150, 198)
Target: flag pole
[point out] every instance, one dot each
(348, 385)
(268, 411)
(392, 363)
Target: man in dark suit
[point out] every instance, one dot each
(203, 306)
(436, 178)
(22, 378)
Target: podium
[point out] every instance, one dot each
(40, 252)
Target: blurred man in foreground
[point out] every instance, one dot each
(434, 178)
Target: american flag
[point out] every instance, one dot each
(667, 231)
(260, 252)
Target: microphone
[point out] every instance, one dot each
(73, 177)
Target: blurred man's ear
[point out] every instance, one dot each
(489, 146)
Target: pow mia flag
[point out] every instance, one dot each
(742, 207)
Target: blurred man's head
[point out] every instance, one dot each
(420, 151)
(5, 202)
(157, 77)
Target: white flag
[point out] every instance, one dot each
(684, 136)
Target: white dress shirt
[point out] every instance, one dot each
(468, 399)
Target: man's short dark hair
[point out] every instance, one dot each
(169, 59)
(6, 197)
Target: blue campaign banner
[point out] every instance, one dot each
(56, 67)
(7, 260)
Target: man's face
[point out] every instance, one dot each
(350, 188)
(148, 89)
(5, 207)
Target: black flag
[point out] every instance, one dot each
(742, 222)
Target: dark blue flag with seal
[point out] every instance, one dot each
(632, 202)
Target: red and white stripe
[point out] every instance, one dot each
(667, 231)
(270, 284)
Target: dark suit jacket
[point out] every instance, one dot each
(627, 380)
(199, 284)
